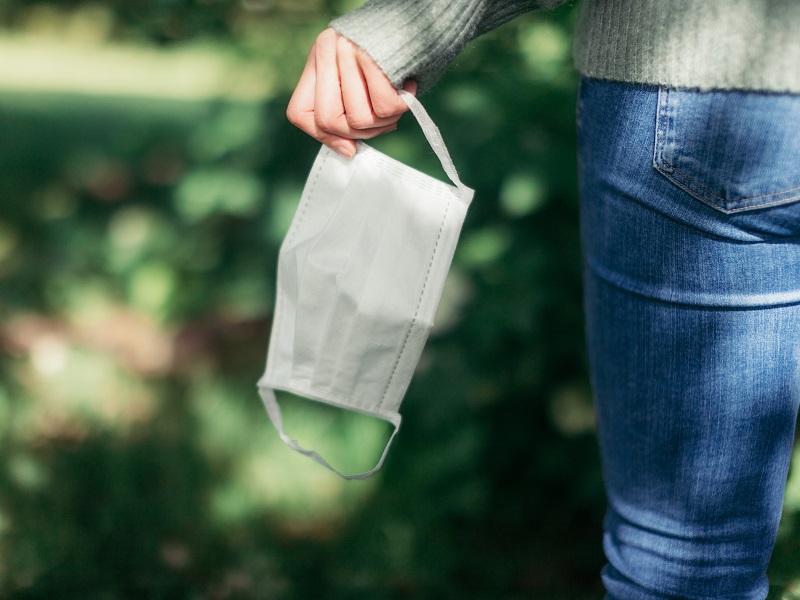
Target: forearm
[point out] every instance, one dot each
(417, 39)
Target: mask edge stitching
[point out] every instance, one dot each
(277, 314)
(419, 304)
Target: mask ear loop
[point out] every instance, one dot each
(274, 412)
(434, 137)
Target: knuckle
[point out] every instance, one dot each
(326, 35)
(325, 122)
(342, 43)
(359, 121)
(291, 115)
(375, 132)
(383, 108)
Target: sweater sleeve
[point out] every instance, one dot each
(417, 39)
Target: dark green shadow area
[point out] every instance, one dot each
(138, 243)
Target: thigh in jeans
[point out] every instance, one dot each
(691, 234)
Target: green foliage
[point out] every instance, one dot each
(138, 241)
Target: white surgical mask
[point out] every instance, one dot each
(360, 275)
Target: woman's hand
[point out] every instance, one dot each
(343, 95)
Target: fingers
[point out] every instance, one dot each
(301, 113)
(383, 97)
(355, 91)
(343, 95)
(328, 105)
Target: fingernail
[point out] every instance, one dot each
(345, 150)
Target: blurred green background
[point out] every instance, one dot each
(148, 176)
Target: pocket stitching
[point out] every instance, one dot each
(659, 162)
(739, 201)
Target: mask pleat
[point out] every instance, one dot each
(321, 301)
(320, 200)
(391, 280)
(340, 325)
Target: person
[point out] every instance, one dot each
(689, 154)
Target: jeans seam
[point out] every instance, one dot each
(740, 200)
(674, 174)
(721, 207)
(705, 189)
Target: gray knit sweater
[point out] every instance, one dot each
(705, 44)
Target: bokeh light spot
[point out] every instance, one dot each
(522, 194)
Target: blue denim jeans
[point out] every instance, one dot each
(690, 226)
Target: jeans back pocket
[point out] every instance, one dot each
(735, 151)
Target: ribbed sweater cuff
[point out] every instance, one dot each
(417, 39)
